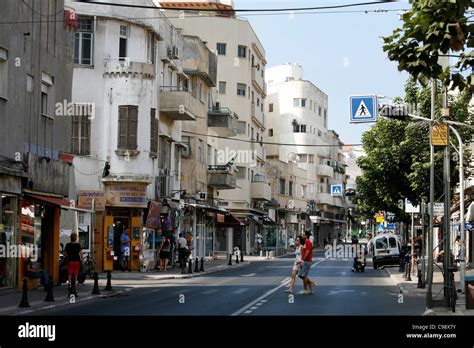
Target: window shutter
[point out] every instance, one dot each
(122, 129)
(75, 135)
(154, 132)
(85, 135)
(133, 127)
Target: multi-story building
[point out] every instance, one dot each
(298, 114)
(36, 46)
(240, 98)
(128, 154)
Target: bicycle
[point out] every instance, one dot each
(89, 266)
(452, 295)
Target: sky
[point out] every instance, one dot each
(341, 53)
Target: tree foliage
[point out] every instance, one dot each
(397, 161)
(433, 28)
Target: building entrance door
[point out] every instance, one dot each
(120, 225)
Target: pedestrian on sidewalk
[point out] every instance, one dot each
(182, 247)
(165, 253)
(74, 257)
(291, 243)
(296, 266)
(33, 271)
(125, 250)
(305, 264)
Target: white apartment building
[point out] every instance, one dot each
(127, 153)
(298, 114)
(241, 96)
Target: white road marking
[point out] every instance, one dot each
(240, 291)
(253, 308)
(208, 292)
(268, 293)
(247, 312)
(248, 275)
(259, 304)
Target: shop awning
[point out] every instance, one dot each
(58, 202)
(315, 219)
(230, 221)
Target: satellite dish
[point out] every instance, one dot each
(292, 157)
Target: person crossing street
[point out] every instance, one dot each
(305, 264)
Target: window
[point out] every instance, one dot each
(252, 133)
(325, 120)
(202, 153)
(282, 186)
(270, 107)
(253, 97)
(261, 107)
(241, 89)
(253, 61)
(123, 42)
(290, 188)
(221, 48)
(299, 102)
(270, 132)
(81, 135)
(3, 73)
(310, 158)
(222, 87)
(299, 128)
(302, 158)
(241, 127)
(258, 101)
(319, 111)
(304, 191)
(153, 132)
(241, 173)
(151, 47)
(164, 159)
(258, 136)
(44, 100)
(242, 52)
(84, 42)
(128, 127)
(201, 94)
(186, 140)
(381, 243)
(209, 155)
(392, 242)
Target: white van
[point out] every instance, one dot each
(385, 249)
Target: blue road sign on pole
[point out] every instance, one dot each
(336, 190)
(363, 108)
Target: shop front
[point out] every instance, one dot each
(8, 239)
(125, 203)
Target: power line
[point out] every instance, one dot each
(295, 9)
(268, 143)
(210, 16)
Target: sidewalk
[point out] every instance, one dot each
(437, 290)
(122, 282)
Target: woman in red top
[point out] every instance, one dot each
(74, 256)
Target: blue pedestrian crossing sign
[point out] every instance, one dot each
(336, 190)
(363, 108)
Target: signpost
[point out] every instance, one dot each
(363, 109)
(336, 190)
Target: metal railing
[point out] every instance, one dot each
(173, 89)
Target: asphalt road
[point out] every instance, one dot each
(259, 289)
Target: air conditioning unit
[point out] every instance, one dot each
(173, 52)
(202, 195)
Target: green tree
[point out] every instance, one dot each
(434, 28)
(396, 165)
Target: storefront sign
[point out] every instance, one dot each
(220, 218)
(126, 195)
(86, 197)
(153, 219)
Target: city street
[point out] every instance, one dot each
(259, 289)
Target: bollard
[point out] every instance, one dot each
(108, 286)
(49, 295)
(408, 278)
(241, 256)
(202, 265)
(261, 253)
(95, 290)
(196, 268)
(230, 260)
(72, 286)
(421, 283)
(190, 269)
(236, 257)
(24, 295)
(183, 267)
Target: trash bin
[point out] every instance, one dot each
(469, 291)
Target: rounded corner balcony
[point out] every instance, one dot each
(129, 67)
(221, 177)
(222, 120)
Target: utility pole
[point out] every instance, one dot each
(429, 248)
(447, 201)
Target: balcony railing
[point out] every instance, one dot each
(179, 104)
(260, 189)
(223, 121)
(221, 177)
(324, 170)
(129, 67)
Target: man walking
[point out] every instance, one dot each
(305, 264)
(125, 249)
